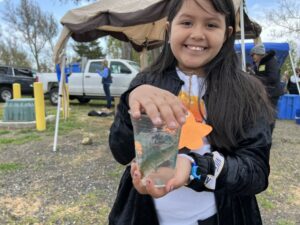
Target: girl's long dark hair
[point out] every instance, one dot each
(234, 98)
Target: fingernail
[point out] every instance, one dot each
(173, 125)
(182, 119)
(136, 114)
(157, 121)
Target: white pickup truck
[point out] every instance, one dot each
(87, 85)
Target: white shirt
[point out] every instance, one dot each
(185, 206)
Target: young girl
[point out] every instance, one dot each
(197, 71)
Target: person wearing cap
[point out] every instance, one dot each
(267, 70)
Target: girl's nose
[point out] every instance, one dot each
(197, 33)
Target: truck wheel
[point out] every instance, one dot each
(5, 94)
(53, 96)
(84, 100)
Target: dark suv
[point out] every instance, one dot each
(10, 75)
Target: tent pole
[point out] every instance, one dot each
(294, 71)
(61, 83)
(242, 25)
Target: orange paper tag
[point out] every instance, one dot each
(192, 133)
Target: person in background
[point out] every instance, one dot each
(106, 82)
(267, 70)
(292, 83)
(197, 72)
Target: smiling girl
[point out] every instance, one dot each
(197, 71)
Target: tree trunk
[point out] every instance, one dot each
(126, 50)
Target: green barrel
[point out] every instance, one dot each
(19, 110)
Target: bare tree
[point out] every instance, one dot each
(286, 16)
(48, 26)
(37, 28)
(126, 50)
(12, 54)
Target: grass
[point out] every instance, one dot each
(265, 202)
(19, 140)
(116, 172)
(2, 132)
(82, 211)
(72, 123)
(4, 167)
(285, 222)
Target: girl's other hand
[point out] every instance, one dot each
(149, 188)
(182, 173)
(160, 105)
(181, 177)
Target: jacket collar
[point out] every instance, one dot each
(267, 57)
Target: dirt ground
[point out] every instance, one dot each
(77, 184)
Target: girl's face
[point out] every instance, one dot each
(197, 34)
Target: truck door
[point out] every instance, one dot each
(92, 81)
(121, 77)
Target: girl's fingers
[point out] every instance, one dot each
(137, 179)
(160, 105)
(135, 110)
(153, 191)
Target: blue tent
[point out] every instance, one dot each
(281, 49)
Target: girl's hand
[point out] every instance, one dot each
(160, 105)
(149, 188)
(181, 177)
(182, 173)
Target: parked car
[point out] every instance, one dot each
(86, 85)
(10, 75)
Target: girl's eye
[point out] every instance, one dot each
(212, 25)
(186, 23)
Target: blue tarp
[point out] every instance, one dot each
(281, 49)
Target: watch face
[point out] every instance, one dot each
(195, 172)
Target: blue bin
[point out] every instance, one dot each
(75, 68)
(287, 106)
(298, 112)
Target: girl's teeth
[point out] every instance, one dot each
(195, 48)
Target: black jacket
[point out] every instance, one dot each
(268, 72)
(246, 172)
(292, 86)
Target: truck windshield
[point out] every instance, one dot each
(135, 65)
(23, 72)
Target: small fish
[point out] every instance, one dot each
(156, 158)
